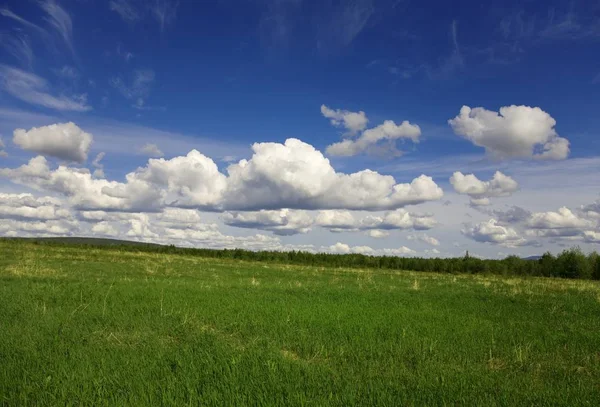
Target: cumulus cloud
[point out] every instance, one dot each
(592, 210)
(377, 140)
(105, 229)
(338, 221)
(193, 180)
(33, 89)
(492, 232)
(83, 191)
(513, 132)
(378, 234)
(295, 175)
(292, 175)
(63, 140)
(591, 236)
(399, 252)
(563, 219)
(343, 248)
(430, 240)
(480, 191)
(354, 122)
(151, 150)
(13, 228)
(398, 219)
(283, 222)
(26, 206)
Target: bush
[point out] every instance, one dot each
(572, 263)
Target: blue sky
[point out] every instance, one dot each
(218, 76)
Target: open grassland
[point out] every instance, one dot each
(91, 326)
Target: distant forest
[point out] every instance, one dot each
(571, 263)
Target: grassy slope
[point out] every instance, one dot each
(101, 327)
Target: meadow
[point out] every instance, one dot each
(103, 326)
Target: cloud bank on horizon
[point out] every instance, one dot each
(231, 151)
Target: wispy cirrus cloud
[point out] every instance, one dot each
(19, 47)
(131, 11)
(519, 30)
(343, 24)
(9, 14)
(60, 20)
(164, 12)
(34, 89)
(126, 10)
(139, 87)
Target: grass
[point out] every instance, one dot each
(90, 326)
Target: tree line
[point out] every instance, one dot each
(571, 263)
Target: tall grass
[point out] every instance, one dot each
(88, 326)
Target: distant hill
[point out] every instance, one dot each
(92, 241)
(532, 258)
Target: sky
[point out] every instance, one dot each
(382, 127)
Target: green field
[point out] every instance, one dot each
(99, 326)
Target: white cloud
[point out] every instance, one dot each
(63, 140)
(399, 219)
(178, 218)
(33, 89)
(193, 180)
(295, 175)
(292, 175)
(369, 140)
(26, 206)
(514, 132)
(283, 222)
(336, 220)
(480, 191)
(492, 232)
(378, 234)
(591, 236)
(105, 229)
(592, 210)
(430, 240)
(354, 122)
(563, 219)
(151, 150)
(341, 220)
(343, 248)
(400, 252)
(83, 191)
(141, 228)
(36, 228)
